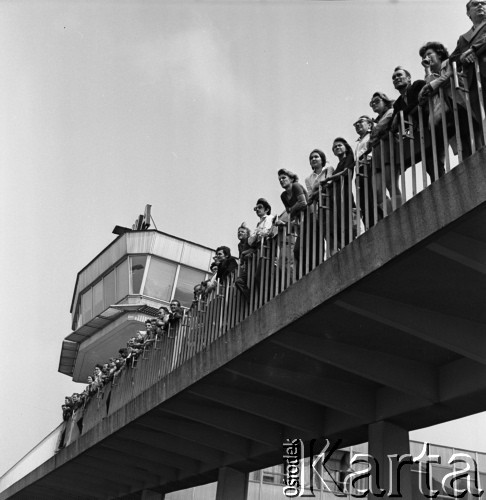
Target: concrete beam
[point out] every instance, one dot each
(393, 371)
(247, 426)
(304, 416)
(173, 444)
(352, 399)
(453, 333)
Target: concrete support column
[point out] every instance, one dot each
(151, 495)
(232, 484)
(386, 444)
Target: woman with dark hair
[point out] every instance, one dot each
(435, 59)
(339, 195)
(321, 170)
(294, 198)
(382, 105)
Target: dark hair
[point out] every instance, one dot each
(266, 205)
(175, 300)
(148, 321)
(437, 47)
(293, 177)
(321, 154)
(404, 70)
(225, 250)
(468, 6)
(164, 308)
(349, 150)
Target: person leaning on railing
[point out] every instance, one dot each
(339, 195)
(210, 284)
(67, 408)
(243, 234)
(294, 198)
(379, 146)
(471, 47)
(408, 103)
(227, 264)
(439, 72)
(363, 126)
(263, 229)
(321, 170)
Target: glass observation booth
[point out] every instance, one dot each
(123, 286)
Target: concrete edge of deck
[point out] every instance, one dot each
(455, 195)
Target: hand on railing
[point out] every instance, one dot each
(424, 94)
(332, 178)
(469, 57)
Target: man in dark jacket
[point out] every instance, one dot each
(471, 47)
(226, 263)
(408, 102)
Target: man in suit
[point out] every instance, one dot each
(471, 47)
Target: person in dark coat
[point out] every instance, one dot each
(226, 263)
(471, 47)
(408, 102)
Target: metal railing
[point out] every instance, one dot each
(416, 153)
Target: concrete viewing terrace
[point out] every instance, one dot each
(379, 339)
(383, 331)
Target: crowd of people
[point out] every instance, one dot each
(449, 120)
(163, 325)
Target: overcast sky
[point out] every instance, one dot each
(191, 106)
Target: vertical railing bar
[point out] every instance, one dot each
(383, 179)
(230, 302)
(413, 164)
(335, 237)
(457, 126)
(422, 147)
(373, 188)
(281, 265)
(307, 233)
(320, 214)
(212, 314)
(434, 142)
(358, 196)
(300, 232)
(266, 251)
(288, 251)
(366, 208)
(342, 216)
(329, 240)
(251, 275)
(261, 274)
(349, 186)
(315, 209)
(481, 100)
(402, 155)
(272, 243)
(444, 129)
